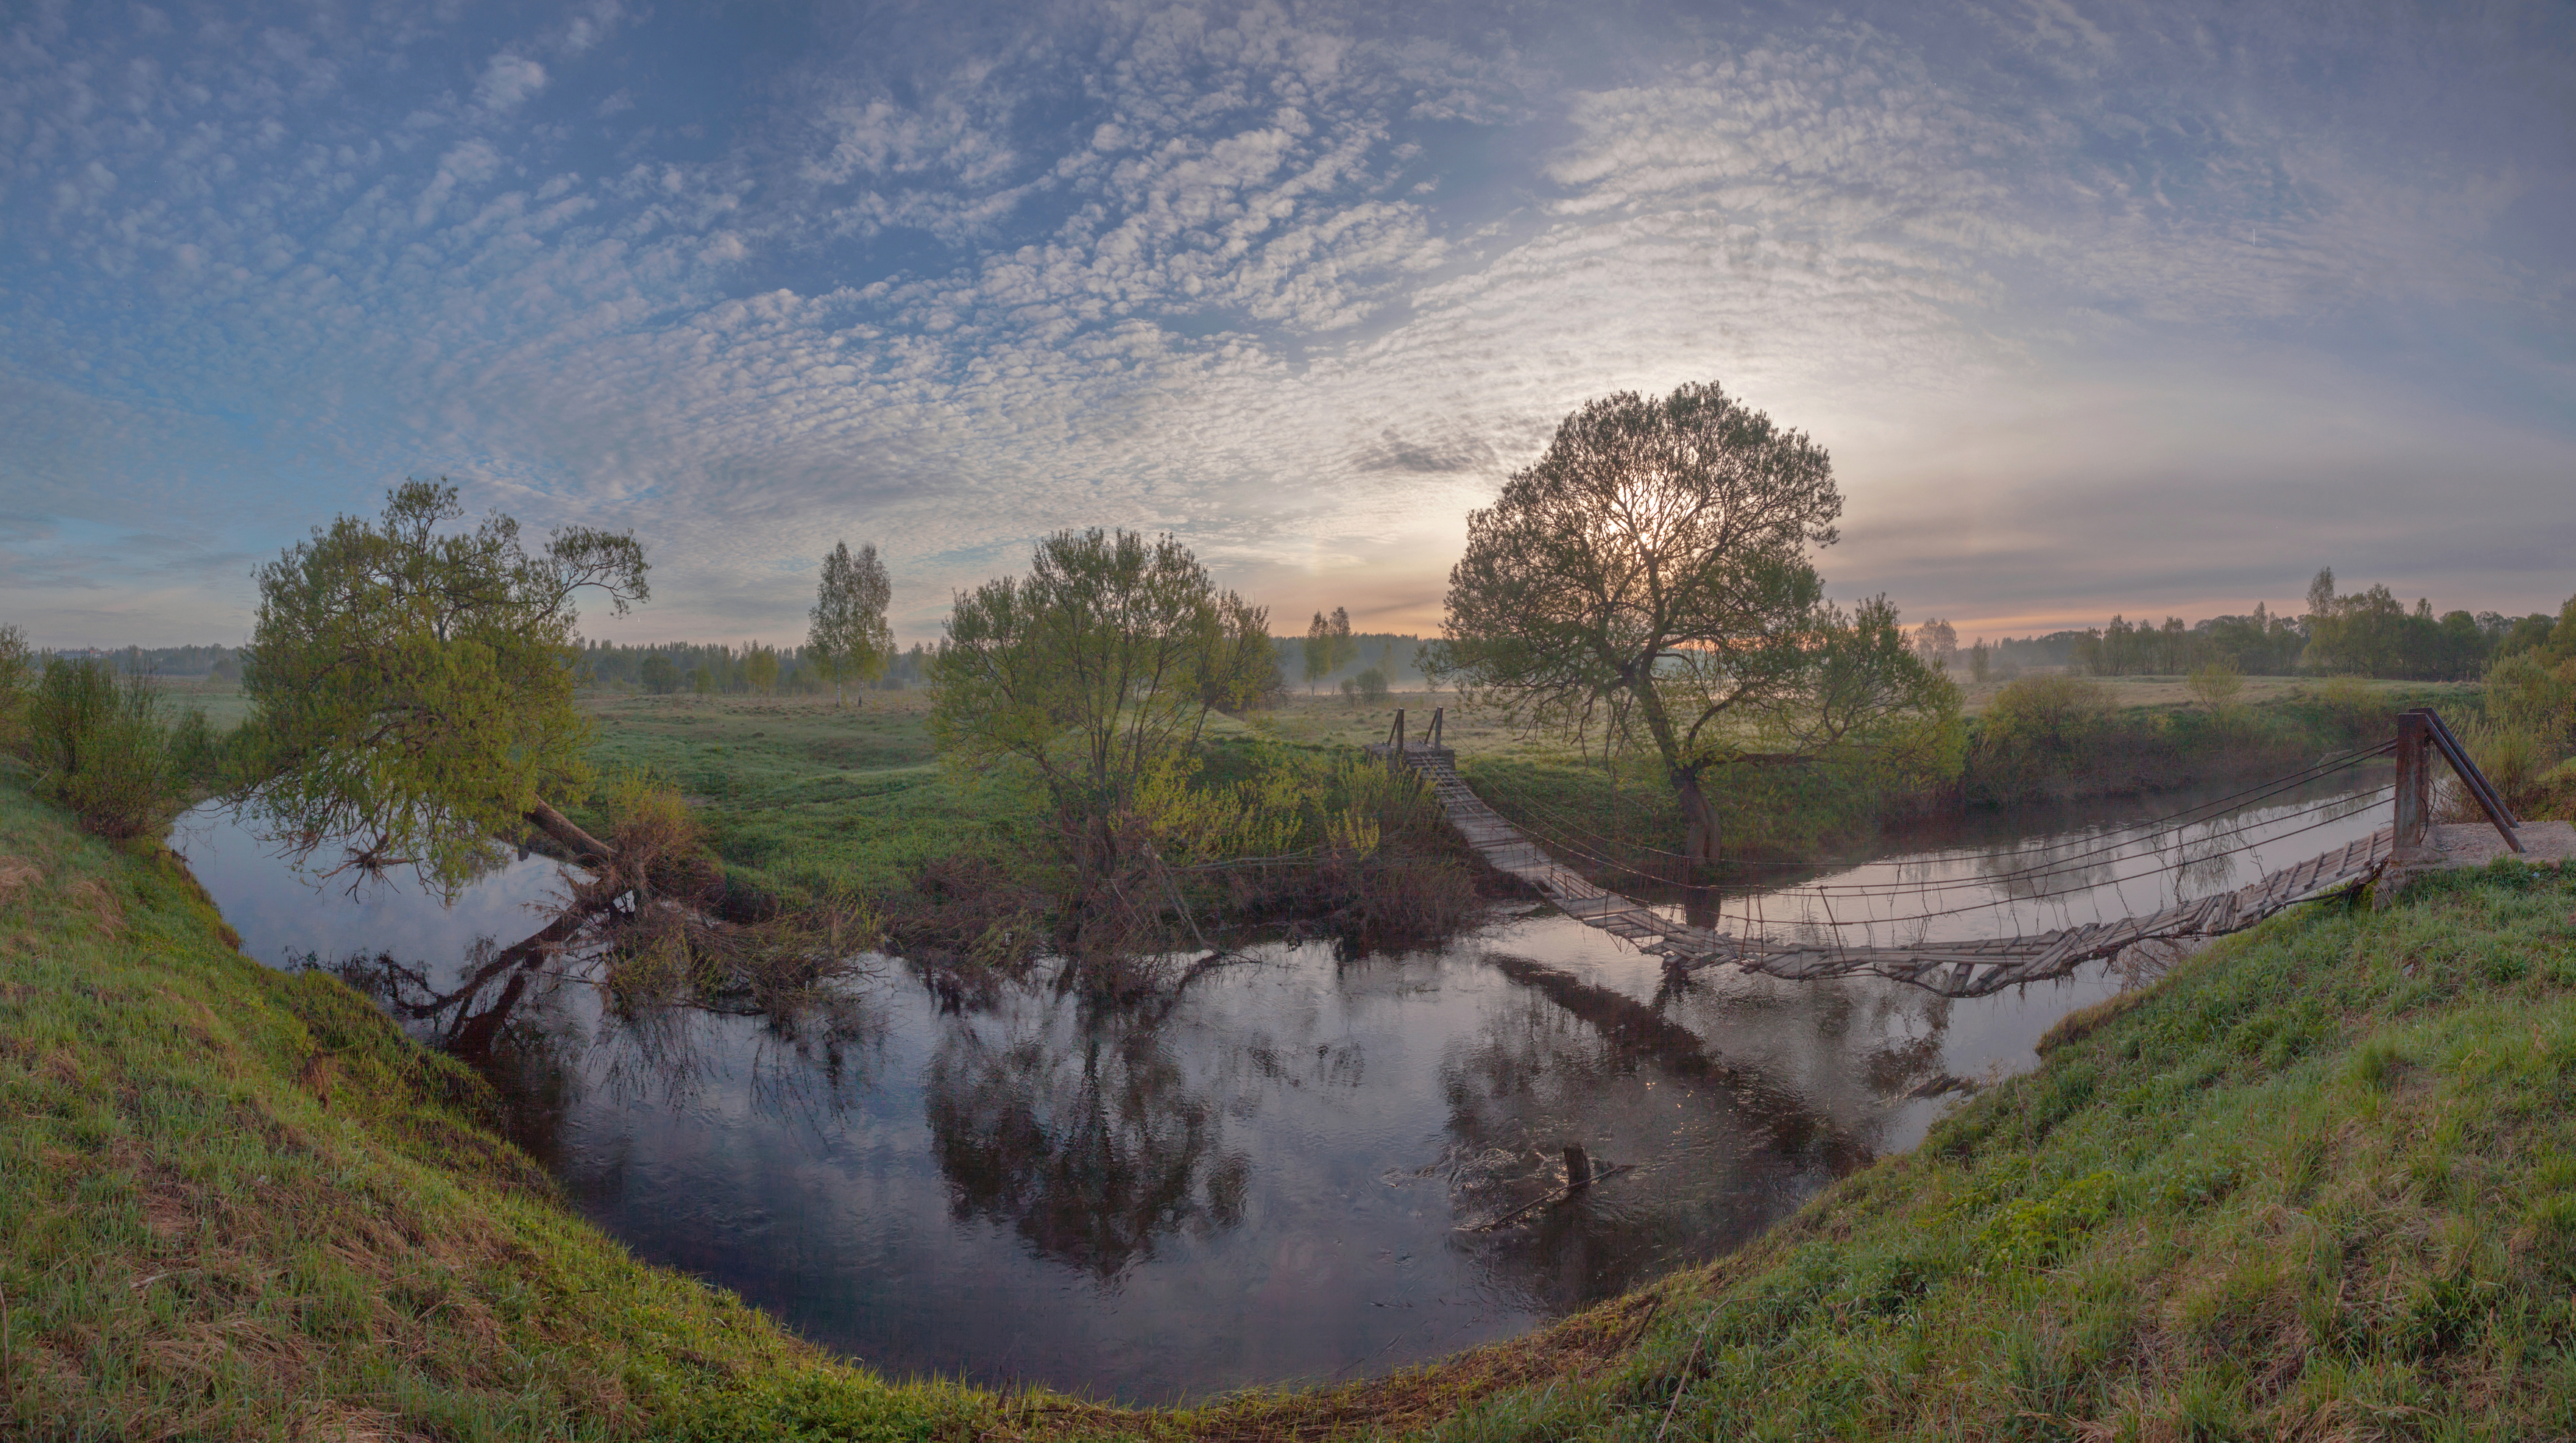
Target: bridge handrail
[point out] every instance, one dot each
(1972, 967)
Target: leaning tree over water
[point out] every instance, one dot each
(412, 686)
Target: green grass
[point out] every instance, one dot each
(799, 796)
(222, 701)
(2321, 1183)
(1764, 813)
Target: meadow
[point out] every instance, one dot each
(802, 796)
(799, 794)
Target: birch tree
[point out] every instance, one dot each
(1329, 645)
(850, 638)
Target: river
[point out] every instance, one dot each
(1277, 1177)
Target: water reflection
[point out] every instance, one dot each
(1719, 1147)
(479, 1002)
(1089, 1151)
(1262, 1179)
(2037, 870)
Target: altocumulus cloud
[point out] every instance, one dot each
(2100, 306)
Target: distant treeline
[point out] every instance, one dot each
(719, 669)
(2362, 633)
(757, 668)
(1391, 653)
(221, 662)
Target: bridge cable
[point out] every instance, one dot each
(2316, 771)
(2044, 896)
(2124, 839)
(2354, 801)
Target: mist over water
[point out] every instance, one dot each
(1275, 1176)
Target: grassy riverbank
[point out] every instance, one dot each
(802, 800)
(2314, 1184)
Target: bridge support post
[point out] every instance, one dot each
(2414, 780)
(1578, 1167)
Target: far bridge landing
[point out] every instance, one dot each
(1977, 967)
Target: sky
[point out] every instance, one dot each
(2138, 308)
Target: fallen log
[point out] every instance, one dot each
(586, 849)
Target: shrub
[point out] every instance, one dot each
(2049, 715)
(2524, 691)
(2555, 794)
(659, 844)
(2514, 758)
(2347, 703)
(2216, 685)
(101, 749)
(16, 666)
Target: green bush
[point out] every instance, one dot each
(16, 666)
(2525, 692)
(2515, 758)
(2050, 715)
(102, 749)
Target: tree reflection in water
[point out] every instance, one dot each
(529, 1018)
(1090, 1151)
(2051, 869)
(1721, 1147)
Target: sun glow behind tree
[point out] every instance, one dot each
(1650, 575)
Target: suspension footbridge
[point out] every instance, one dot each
(1979, 966)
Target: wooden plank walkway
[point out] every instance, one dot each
(1972, 968)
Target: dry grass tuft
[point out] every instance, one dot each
(339, 1423)
(92, 895)
(2083, 1022)
(16, 872)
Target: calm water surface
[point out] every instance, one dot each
(1267, 1180)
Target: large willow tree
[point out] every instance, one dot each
(1651, 572)
(413, 686)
